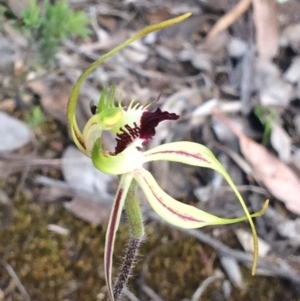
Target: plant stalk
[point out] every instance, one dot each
(136, 228)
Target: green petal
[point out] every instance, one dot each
(113, 225)
(72, 103)
(199, 155)
(184, 151)
(77, 137)
(91, 133)
(125, 162)
(175, 212)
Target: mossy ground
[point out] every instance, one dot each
(56, 267)
(69, 267)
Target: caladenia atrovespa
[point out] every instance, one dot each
(133, 127)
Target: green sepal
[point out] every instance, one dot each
(178, 213)
(72, 103)
(199, 155)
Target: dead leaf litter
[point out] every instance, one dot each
(235, 57)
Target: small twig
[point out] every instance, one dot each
(247, 79)
(251, 188)
(26, 170)
(203, 286)
(130, 295)
(17, 281)
(151, 293)
(228, 19)
(23, 159)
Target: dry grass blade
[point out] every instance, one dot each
(17, 281)
(277, 177)
(266, 23)
(130, 295)
(228, 19)
(151, 293)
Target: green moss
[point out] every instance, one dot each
(49, 265)
(56, 267)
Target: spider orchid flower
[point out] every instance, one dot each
(133, 127)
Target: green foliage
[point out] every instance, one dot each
(266, 117)
(2, 9)
(35, 117)
(32, 16)
(51, 24)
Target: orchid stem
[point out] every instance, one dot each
(134, 212)
(136, 227)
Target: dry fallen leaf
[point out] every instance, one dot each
(14, 133)
(266, 23)
(292, 74)
(276, 92)
(290, 229)
(281, 142)
(88, 210)
(277, 177)
(54, 96)
(233, 270)
(80, 174)
(90, 207)
(291, 37)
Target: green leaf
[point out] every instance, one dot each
(35, 117)
(266, 117)
(31, 15)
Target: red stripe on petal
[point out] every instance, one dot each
(78, 137)
(110, 240)
(183, 153)
(180, 215)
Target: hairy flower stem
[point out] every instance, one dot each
(127, 265)
(136, 227)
